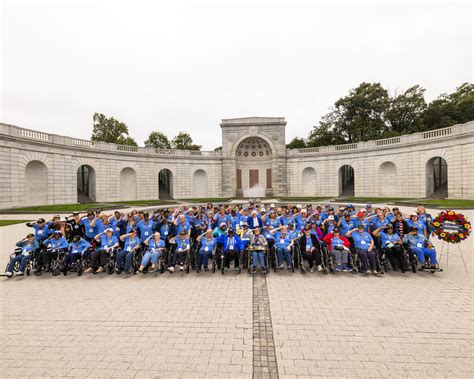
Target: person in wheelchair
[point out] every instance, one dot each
(156, 246)
(108, 242)
(183, 247)
(364, 248)
(391, 243)
(283, 243)
(422, 247)
(206, 250)
(338, 246)
(309, 245)
(124, 257)
(231, 247)
(76, 248)
(27, 246)
(54, 246)
(257, 247)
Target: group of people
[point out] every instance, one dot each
(245, 234)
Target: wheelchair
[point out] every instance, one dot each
(327, 258)
(186, 262)
(57, 261)
(160, 266)
(297, 258)
(249, 259)
(355, 263)
(29, 266)
(222, 257)
(83, 262)
(416, 266)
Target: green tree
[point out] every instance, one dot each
(405, 111)
(158, 140)
(183, 141)
(447, 110)
(296, 143)
(127, 141)
(110, 130)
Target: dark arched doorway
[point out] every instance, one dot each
(346, 181)
(437, 178)
(86, 184)
(165, 184)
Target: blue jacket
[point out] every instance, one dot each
(227, 241)
(251, 223)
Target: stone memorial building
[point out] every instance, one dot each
(40, 168)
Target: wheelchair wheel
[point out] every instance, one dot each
(28, 271)
(56, 271)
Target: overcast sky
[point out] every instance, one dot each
(185, 65)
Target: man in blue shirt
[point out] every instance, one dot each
(145, 227)
(76, 248)
(422, 247)
(364, 247)
(27, 245)
(55, 245)
(89, 222)
(108, 243)
(42, 232)
(231, 247)
(183, 247)
(124, 257)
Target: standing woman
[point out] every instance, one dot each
(208, 244)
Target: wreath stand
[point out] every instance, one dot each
(447, 254)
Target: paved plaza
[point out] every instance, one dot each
(212, 325)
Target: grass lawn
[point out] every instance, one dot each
(440, 203)
(206, 200)
(12, 222)
(303, 198)
(85, 207)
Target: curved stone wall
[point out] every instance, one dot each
(41, 168)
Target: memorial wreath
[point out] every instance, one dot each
(451, 227)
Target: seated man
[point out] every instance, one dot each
(231, 246)
(124, 257)
(54, 245)
(310, 249)
(108, 242)
(156, 246)
(28, 245)
(76, 248)
(364, 247)
(338, 245)
(257, 247)
(421, 246)
(391, 243)
(208, 244)
(182, 249)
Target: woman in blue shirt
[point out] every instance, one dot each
(28, 245)
(208, 244)
(108, 242)
(182, 249)
(124, 257)
(391, 243)
(156, 247)
(364, 247)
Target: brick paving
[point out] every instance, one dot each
(264, 356)
(204, 325)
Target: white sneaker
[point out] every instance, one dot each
(88, 270)
(181, 268)
(236, 269)
(320, 268)
(369, 271)
(171, 269)
(9, 274)
(280, 267)
(100, 269)
(311, 270)
(375, 272)
(19, 273)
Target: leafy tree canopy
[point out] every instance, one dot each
(158, 140)
(110, 130)
(183, 141)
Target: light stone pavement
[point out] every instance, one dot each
(204, 325)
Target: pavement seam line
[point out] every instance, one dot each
(264, 355)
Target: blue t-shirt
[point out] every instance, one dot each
(182, 244)
(130, 243)
(89, 231)
(282, 241)
(154, 245)
(146, 229)
(207, 244)
(41, 233)
(78, 247)
(361, 241)
(106, 242)
(385, 237)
